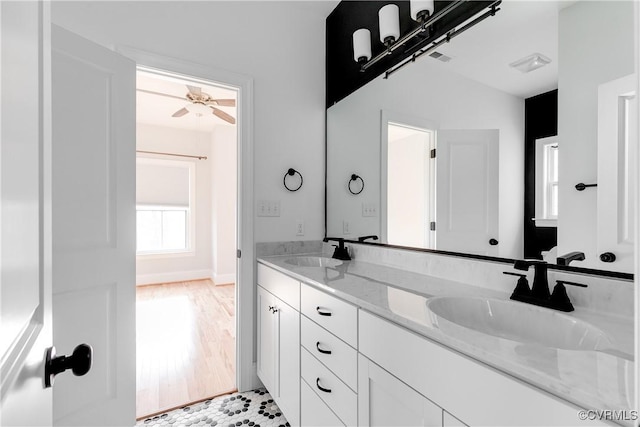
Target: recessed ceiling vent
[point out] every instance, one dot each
(440, 56)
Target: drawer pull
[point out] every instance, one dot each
(323, 313)
(321, 350)
(326, 390)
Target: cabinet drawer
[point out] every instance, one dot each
(338, 397)
(313, 411)
(334, 353)
(280, 285)
(338, 317)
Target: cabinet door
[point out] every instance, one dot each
(288, 397)
(314, 412)
(267, 339)
(384, 400)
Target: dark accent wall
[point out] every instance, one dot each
(343, 75)
(540, 121)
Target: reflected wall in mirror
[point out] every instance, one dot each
(488, 190)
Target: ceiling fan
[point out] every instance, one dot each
(201, 103)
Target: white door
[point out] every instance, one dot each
(467, 191)
(94, 228)
(617, 177)
(25, 214)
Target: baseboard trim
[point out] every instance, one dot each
(224, 279)
(174, 276)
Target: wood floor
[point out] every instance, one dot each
(185, 344)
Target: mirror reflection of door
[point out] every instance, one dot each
(410, 186)
(467, 214)
(446, 201)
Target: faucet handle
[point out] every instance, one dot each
(559, 298)
(522, 290)
(565, 282)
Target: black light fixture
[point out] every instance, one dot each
(422, 11)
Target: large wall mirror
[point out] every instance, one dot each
(440, 148)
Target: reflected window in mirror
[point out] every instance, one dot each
(410, 186)
(547, 182)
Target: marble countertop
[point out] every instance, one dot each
(590, 379)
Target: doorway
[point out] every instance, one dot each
(186, 210)
(410, 186)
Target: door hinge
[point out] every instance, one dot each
(433, 153)
(432, 226)
(238, 253)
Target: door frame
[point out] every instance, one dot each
(391, 117)
(246, 377)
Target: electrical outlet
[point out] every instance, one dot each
(299, 227)
(345, 227)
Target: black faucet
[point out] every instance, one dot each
(341, 252)
(571, 256)
(363, 238)
(540, 287)
(539, 293)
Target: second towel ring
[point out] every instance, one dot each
(292, 172)
(355, 177)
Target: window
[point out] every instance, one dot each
(546, 182)
(164, 196)
(161, 229)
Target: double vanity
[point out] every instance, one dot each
(363, 343)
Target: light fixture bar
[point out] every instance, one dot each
(434, 18)
(445, 38)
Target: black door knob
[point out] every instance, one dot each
(79, 362)
(608, 257)
(493, 242)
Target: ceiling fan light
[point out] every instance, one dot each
(421, 10)
(389, 22)
(362, 45)
(198, 109)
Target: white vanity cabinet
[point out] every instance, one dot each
(329, 361)
(384, 400)
(278, 341)
(475, 393)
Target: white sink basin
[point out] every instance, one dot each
(517, 321)
(313, 261)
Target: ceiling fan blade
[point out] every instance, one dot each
(181, 112)
(224, 116)
(224, 102)
(194, 90)
(182, 98)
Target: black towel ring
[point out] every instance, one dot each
(291, 172)
(355, 177)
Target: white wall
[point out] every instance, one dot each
(279, 43)
(224, 186)
(177, 267)
(427, 92)
(595, 46)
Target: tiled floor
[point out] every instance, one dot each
(254, 408)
